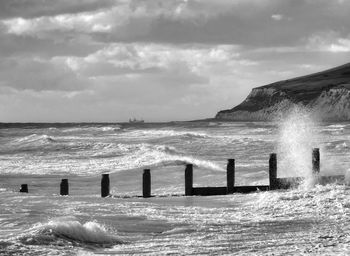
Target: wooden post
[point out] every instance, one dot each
(273, 171)
(188, 180)
(230, 174)
(316, 161)
(146, 183)
(24, 188)
(64, 187)
(105, 185)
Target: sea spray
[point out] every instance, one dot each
(297, 136)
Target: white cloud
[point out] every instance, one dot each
(107, 19)
(328, 41)
(341, 45)
(137, 58)
(82, 22)
(277, 16)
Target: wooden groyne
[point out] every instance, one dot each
(24, 188)
(105, 185)
(146, 183)
(64, 187)
(230, 188)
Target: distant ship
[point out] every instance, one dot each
(136, 121)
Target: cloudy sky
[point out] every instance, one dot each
(108, 60)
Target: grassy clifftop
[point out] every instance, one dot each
(305, 90)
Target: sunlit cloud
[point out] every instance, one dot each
(277, 16)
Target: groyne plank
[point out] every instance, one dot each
(216, 191)
(209, 191)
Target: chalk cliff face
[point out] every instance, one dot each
(326, 94)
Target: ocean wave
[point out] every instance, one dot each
(160, 134)
(255, 174)
(334, 128)
(63, 230)
(337, 125)
(109, 128)
(31, 143)
(166, 133)
(144, 155)
(94, 158)
(112, 128)
(145, 147)
(179, 230)
(338, 145)
(35, 138)
(110, 150)
(148, 155)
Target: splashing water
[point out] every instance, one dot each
(297, 136)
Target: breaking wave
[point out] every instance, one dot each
(339, 145)
(148, 155)
(166, 133)
(69, 231)
(35, 138)
(31, 143)
(90, 158)
(93, 129)
(334, 128)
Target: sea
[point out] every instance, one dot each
(308, 219)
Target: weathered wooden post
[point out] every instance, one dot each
(230, 174)
(316, 161)
(105, 185)
(146, 183)
(24, 188)
(64, 187)
(273, 171)
(189, 180)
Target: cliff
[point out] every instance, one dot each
(326, 93)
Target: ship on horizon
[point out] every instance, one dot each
(136, 121)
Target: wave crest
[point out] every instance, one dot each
(35, 138)
(69, 231)
(166, 133)
(148, 155)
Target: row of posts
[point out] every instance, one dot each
(146, 177)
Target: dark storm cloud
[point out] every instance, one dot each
(248, 23)
(235, 22)
(13, 45)
(40, 75)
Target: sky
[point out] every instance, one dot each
(160, 60)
